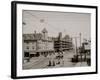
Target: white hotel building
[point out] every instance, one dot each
(37, 44)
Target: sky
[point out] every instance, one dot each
(66, 22)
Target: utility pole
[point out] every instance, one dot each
(80, 39)
(80, 47)
(76, 52)
(76, 45)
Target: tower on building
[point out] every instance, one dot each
(60, 36)
(45, 34)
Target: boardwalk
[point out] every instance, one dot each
(43, 62)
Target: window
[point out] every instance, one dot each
(26, 54)
(27, 42)
(32, 47)
(27, 47)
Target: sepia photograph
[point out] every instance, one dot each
(56, 39)
(53, 40)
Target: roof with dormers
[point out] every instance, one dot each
(36, 36)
